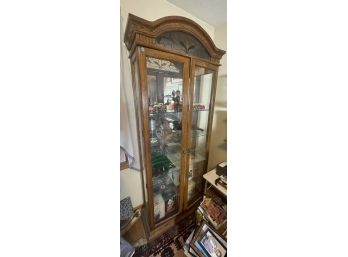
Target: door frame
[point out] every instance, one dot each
(142, 53)
(215, 68)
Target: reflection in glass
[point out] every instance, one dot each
(165, 82)
(200, 118)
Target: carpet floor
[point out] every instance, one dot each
(170, 243)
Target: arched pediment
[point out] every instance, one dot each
(176, 33)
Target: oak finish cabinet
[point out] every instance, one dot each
(174, 66)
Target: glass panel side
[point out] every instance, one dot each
(139, 114)
(201, 98)
(165, 87)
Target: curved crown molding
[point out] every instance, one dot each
(139, 30)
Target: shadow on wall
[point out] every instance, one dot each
(218, 144)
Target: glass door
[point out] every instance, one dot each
(166, 77)
(202, 91)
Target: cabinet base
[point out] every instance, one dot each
(160, 230)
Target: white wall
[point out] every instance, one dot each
(155, 9)
(218, 147)
(220, 40)
(130, 186)
(149, 10)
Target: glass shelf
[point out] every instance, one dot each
(200, 110)
(198, 133)
(156, 113)
(175, 112)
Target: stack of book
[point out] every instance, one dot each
(209, 237)
(205, 241)
(213, 211)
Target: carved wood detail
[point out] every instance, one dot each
(142, 32)
(184, 43)
(172, 45)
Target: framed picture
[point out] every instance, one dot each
(208, 243)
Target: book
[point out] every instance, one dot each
(192, 252)
(207, 242)
(188, 240)
(214, 209)
(207, 217)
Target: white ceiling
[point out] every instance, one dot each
(213, 12)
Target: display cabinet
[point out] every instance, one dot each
(174, 66)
